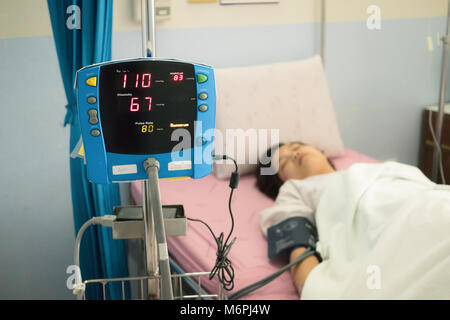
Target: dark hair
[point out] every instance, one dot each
(270, 184)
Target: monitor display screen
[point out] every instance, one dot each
(142, 102)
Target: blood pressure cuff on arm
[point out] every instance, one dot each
(290, 234)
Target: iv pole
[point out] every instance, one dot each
(154, 231)
(440, 118)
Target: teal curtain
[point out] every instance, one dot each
(82, 30)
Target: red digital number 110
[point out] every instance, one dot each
(134, 104)
(140, 82)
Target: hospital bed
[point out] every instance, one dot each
(207, 199)
(292, 101)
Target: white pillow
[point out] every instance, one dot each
(290, 96)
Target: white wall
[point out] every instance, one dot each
(28, 18)
(36, 228)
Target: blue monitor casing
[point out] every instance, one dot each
(132, 110)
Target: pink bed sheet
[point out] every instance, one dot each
(207, 199)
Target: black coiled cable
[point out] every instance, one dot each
(223, 267)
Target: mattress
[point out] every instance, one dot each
(207, 199)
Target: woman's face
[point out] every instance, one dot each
(299, 161)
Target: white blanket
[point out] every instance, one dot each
(384, 233)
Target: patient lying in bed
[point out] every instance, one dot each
(386, 215)
(303, 174)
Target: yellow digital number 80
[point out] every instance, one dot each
(147, 128)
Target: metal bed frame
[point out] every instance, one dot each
(143, 294)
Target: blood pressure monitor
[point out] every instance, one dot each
(132, 110)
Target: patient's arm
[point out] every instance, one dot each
(301, 270)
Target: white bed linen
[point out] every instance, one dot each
(384, 233)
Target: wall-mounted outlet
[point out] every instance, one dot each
(430, 43)
(201, 1)
(162, 10)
